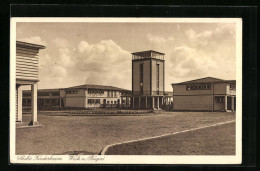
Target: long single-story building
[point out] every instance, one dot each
(205, 94)
(82, 96)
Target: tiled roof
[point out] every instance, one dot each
(100, 87)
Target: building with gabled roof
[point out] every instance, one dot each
(205, 94)
(82, 96)
(100, 87)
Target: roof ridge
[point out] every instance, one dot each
(86, 86)
(216, 79)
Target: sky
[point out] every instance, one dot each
(100, 53)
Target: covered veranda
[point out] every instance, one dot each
(145, 102)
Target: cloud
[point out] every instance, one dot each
(158, 39)
(50, 68)
(189, 62)
(61, 42)
(104, 63)
(65, 57)
(221, 34)
(34, 40)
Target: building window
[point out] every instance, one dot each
(232, 86)
(24, 102)
(107, 102)
(93, 101)
(71, 91)
(43, 94)
(55, 102)
(198, 87)
(114, 102)
(28, 102)
(55, 94)
(26, 94)
(90, 91)
(157, 76)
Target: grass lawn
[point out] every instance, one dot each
(218, 140)
(90, 134)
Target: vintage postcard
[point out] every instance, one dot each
(126, 90)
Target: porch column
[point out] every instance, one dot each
(139, 102)
(121, 104)
(19, 104)
(34, 104)
(146, 102)
(158, 102)
(225, 103)
(60, 102)
(232, 103)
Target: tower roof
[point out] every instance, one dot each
(147, 55)
(142, 53)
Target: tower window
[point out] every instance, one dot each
(141, 77)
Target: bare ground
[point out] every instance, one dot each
(90, 134)
(217, 140)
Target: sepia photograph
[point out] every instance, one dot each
(126, 90)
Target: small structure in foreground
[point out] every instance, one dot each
(27, 61)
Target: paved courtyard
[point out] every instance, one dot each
(90, 134)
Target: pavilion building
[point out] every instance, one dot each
(27, 62)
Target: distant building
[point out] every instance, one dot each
(83, 96)
(27, 61)
(205, 94)
(148, 77)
